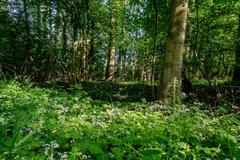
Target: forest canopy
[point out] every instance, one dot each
(70, 40)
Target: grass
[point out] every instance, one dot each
(38, 123)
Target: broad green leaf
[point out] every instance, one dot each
(151, 153)
(94, 149)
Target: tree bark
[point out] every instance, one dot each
(123, 64)
(39, 44)
(144, 62)
(92, 57)
(236, 72)
(154, 41)
(134, 55)
(170, 83)
(74, 53)
(28, 32)
(85, 58)
(112, 43)
(64, 36)
(119, 63)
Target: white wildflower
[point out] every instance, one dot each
(54, 144)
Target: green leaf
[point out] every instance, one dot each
(1, 120)
(94, 149)
(25, 139)
(68, 135)
(151, 153)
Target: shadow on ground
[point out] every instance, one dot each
(228, 94)
(133, 92)
(110, 91)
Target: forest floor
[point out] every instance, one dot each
(222, 94)
(49, 123)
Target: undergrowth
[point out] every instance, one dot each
(40, 123)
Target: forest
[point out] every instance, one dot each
(119, 79)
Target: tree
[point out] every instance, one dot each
(29, 57)
(79, 40)
(112, 42)
(236, 73)
(171, 73)
(154, 40)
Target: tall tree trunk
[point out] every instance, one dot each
(123, 64)
(122, 52)
(174, 51)
(144, 62)
(154, 47)
(88, 47)
(236, 73)
(74, 53)
(112, 43)
(29, 57)
(51, 37)
(119, 63)
(92, 57)
(28, 30)
(133, 57)
(120, 56)
(39, 44)
(64, 44)
(64, 37)
(85, 58)
(50, 22)
(154, 41)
